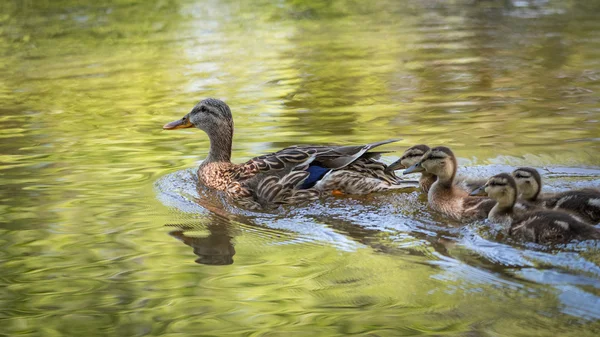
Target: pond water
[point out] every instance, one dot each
(104, 233)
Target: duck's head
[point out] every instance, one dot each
(411, 156)
(211, 115)
(501, 187)
(439, 161)
(529, 182)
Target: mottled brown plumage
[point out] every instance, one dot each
(281, 177)
(444, 196)
(583, 203)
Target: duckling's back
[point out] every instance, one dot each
(551, 227)
(585, 203)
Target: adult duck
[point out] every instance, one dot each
(294, 175)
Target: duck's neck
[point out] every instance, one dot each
(220, 146)
(426, 181)
(446, 181)
(534, 197)
(445, 178)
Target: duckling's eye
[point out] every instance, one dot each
(203, 109)
(519, 176)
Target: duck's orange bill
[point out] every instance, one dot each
(178, 124)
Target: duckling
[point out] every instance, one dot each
(583, 203)
(409, 158)
(444, 196)
(540, 226)
(412, 155)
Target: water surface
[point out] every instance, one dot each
(104, 233)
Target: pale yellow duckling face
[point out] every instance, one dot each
(411, 156)
(501, 187)
(439, 161)
(529, 182)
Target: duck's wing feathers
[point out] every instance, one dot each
(337, 157)
(331, 157)
(289, 175)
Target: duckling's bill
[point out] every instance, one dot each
(479, 191)
(414, 169)
(395, 166)
(183, 123)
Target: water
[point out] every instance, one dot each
(104, 233)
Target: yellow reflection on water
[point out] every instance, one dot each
(86, 88)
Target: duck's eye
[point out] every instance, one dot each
(203, 109)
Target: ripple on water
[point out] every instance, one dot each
(403, 221)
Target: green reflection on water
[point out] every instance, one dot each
(85, 88)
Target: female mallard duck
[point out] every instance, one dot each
(541, 226)
(413, 154)
(583, 203)
(296, 174)
(444, 196)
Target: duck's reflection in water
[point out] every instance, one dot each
(216, 248)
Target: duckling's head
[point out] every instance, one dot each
(211, 115)
(411, 156)
(502, 188)
(439, 161)
(529, 182)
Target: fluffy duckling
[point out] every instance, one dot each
(444, 196)
(541, 226)
(583, 203)
(503, 189)
(410, 157)
(413, 154)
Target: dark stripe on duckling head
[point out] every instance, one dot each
(316, 173)
(408, 158)
(421, 147)
(442, 149)
(526, 172)
(413, 151)
(441, 153)
(504, 179)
